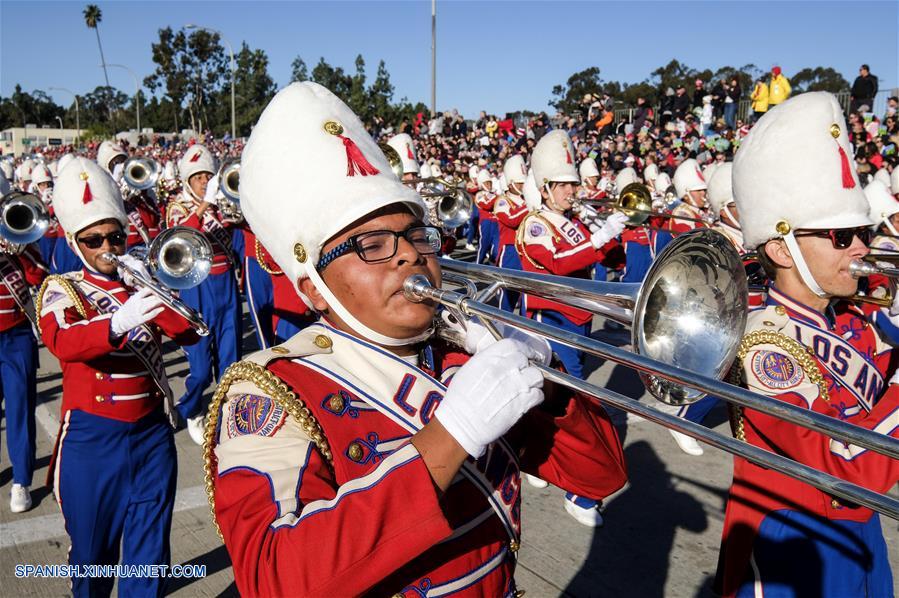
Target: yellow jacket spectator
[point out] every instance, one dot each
(759, 97)
(779, 88)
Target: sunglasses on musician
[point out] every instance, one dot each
(841, 238)
(116, 239)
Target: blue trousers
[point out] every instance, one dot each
(18, 379)
(798, 554)
(117, 489)
(217, 300)
(472, 226)
(638, 258)
(47, 246)
(509, 258)
(487, 247)
(261, 301)
(571, 358)
(64, 259)
(662, 240)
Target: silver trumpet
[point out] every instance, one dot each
(23, 218)
(453, 204)
(687, 319)
(179, 258)
(229, 185)
(140, 174)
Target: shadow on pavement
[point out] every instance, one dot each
(215, 560)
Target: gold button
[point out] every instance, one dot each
(780, 310)
(519, 593)
(322, 342)
(333, 127)
(835, 130)
(280, 350)
(99, 398)
(336, 403)
(354, 452)
(299, 252)
(514, 546)
(782, 227)
(99, 375)
(835, 504)
(768, 323)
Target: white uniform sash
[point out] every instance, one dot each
(409, 396)
(142, 342)
(137, 222)
(851, 368)
(13, 277)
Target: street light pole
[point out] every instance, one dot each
(433, 58)
(61, 127)
(231, 53)
(77, 113)
(136, 92)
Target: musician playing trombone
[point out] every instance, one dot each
(341, 464)
(802, 207)
(115, 467)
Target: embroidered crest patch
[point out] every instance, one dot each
(51, 297)
(775, 370)
(536, 230)
(254, 414)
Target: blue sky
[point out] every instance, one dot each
(496, 56)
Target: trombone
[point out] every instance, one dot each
(140, 174)
(24, 218)
(687, 321)
(179, 258)
(229, 185)
(634, 201)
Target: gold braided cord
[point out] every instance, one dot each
(260, 259)
(69, 289)
(280, 393)
(799, 353)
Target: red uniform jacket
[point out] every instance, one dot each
(182, 211)
(509, 210)
(25, 269)
(485, 201)
(149, 216)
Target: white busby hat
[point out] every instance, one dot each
(515, 170)
(339, 175)
(40, 174)
(721, 190)
(403, 145)
(484, 176)
(688, 177)
(531, 193)
(196, 159)
(553, 159)
(883, 176)
(708, 170)
(894, 181)
(587, 168)
(23, 172)
(882, 204)
(793, 171)
(169, 172)
(662, 182)
(84, 195)
(424, 170)
(625, 177)
(651, 172)
(64, 161)
(7, 169)
(107, 151)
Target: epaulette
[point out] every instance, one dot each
(174, 205)
(67, 284)
(773, 318)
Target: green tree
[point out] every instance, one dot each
(23, 108)
(568, 97)
(92, 18)
(380, 93)
(334, 78)
(298, 70)
(254, 88)
(818, 79)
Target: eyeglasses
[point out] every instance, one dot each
(381, 245)
(841, 237)
(116, 238)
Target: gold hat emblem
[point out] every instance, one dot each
(333, 127)
(835, 130)
(299, 252)
(782, 227)
(84, 176)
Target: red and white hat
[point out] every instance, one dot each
(195, 160)
(651, 172)
(531, 193)
(553, 159)
(403, 145)
(337, 174)
(106, 152)
(883, 176)
(882, 204)
(688, 177)
(587, 168)
(514, 170)
(40, 174)
(625, 177)
(894, 181)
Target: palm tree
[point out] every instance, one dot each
(92, 18)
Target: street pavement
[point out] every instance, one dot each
(660, 538)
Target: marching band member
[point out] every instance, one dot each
(691, 189)
(589, 174)
(21, 269)
(720, 196)
(23, 175)
(405, 149)
(471, 187)
(488, 229)
(884, 213)
(510, 209)
(549, 242)
(216, 297)
(111, 158)
(801, 205)
(341, 464)
(42, 185)
(115, 464)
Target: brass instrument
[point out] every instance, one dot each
(393, 158)
(687, 321)
(24, 218)
(140, 174)
(229, 185)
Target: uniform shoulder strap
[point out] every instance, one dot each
(67, 286)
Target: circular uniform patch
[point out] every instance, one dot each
(536, 230)
(254, 414)
(775, 370)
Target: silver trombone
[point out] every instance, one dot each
(229, 185)
(140, 174)
(24, 218)
(179, 258)
(681, 346)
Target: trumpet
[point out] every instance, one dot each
(140, 174)
(23, 218)
(179, 258)
(229, 185)
(688, 317)
(634, 201)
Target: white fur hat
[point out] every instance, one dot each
(23, 172)
(883, 176)
(651, 172)
(553, 159)
(84, 195)
(515, 170)
(41, 174)
(881, 202)
(64, 161)
(107, 151)
(793, 171)
(473, 172)
(7, 169)
(587, 168)
(894, 181)
(625, 177)
(53, 167)
(721, 190)
(424, 170)
(484, 176)
(403, 145)
(662, 182)
(708, 170)
(197, 159)
(169, 171)
(339, 175)
(688, 177)
(532, 196)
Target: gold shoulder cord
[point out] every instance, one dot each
(791, 347)
(260, 251)
(519, 236)
(69, 289)
(269, 383)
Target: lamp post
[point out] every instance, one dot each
(433, 58)
(60, 123)
(231, 53)
(136, 91)
(77, 112)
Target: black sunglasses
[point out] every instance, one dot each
(381, 245)
(841, 237)
(115, 239)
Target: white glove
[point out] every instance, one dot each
(613, 227)
(489, 394)
(212, 189)
(118, 172)
(140, 308)
(135, 264)
(477, 338)
(894, 308)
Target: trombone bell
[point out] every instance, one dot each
(140, 173)
(180, 257)
(23, 218)
(635, 201)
